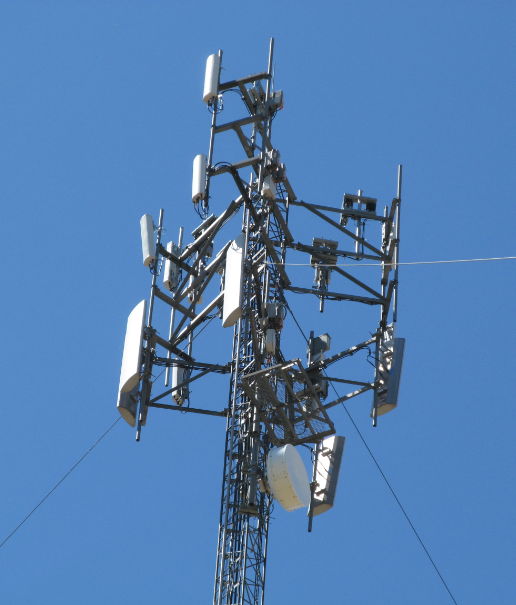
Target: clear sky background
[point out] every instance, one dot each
(101, 116)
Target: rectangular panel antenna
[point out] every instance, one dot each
(232, 309)
(327, 474)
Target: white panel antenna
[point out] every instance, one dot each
(148, 245)
(211, 78)
(287, 478)
(132, 358)
(199, 178)
(232, 309)
(391, 362)
(393, 383)
(171, 271)
(327, 473)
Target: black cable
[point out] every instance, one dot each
(382, 473)
(59, 483)
(395, 497)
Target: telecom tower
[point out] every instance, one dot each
(274, 404)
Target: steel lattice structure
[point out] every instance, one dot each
(272, 401)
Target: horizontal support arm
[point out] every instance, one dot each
(184, 409)
(253, 161)
(310, 249)
(358, 383)
(179, 386)
(337, 295)
(343, 229)
(238, 123)
(166, 345)
(351, 351)
(349, 396)
(263, 75)
(351, 278)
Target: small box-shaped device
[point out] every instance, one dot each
(272, 309)
(179, 375)
(276, 101)
(194, 296)
(326, 246)
(270, 341)
(269, 188)
(327, 473)
(171, 271)
(355, 206)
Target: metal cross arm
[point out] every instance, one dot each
(193, 365)
(335, 295)
(239, 123)
(323, 257)
(179, 386)
(310, 249)
(356, 382)
(343, 229)
(251, 161)
(263, 75)
(350, 396)
(179, 408)
(346, 353)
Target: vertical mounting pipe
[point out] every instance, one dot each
(142, 413)
(312, 487)
(172, 316)
(376, 377)
(359, 227)
(397, 251)
(212, 138)
(266, 131)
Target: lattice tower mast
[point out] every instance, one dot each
(273, 403)
(245, 510)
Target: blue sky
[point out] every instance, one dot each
(101, 116)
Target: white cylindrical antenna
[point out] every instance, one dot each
(148, 245)
(211, 79)
(199, 178)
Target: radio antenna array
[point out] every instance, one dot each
(274, 403)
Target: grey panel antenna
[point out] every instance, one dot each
(327, 474)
